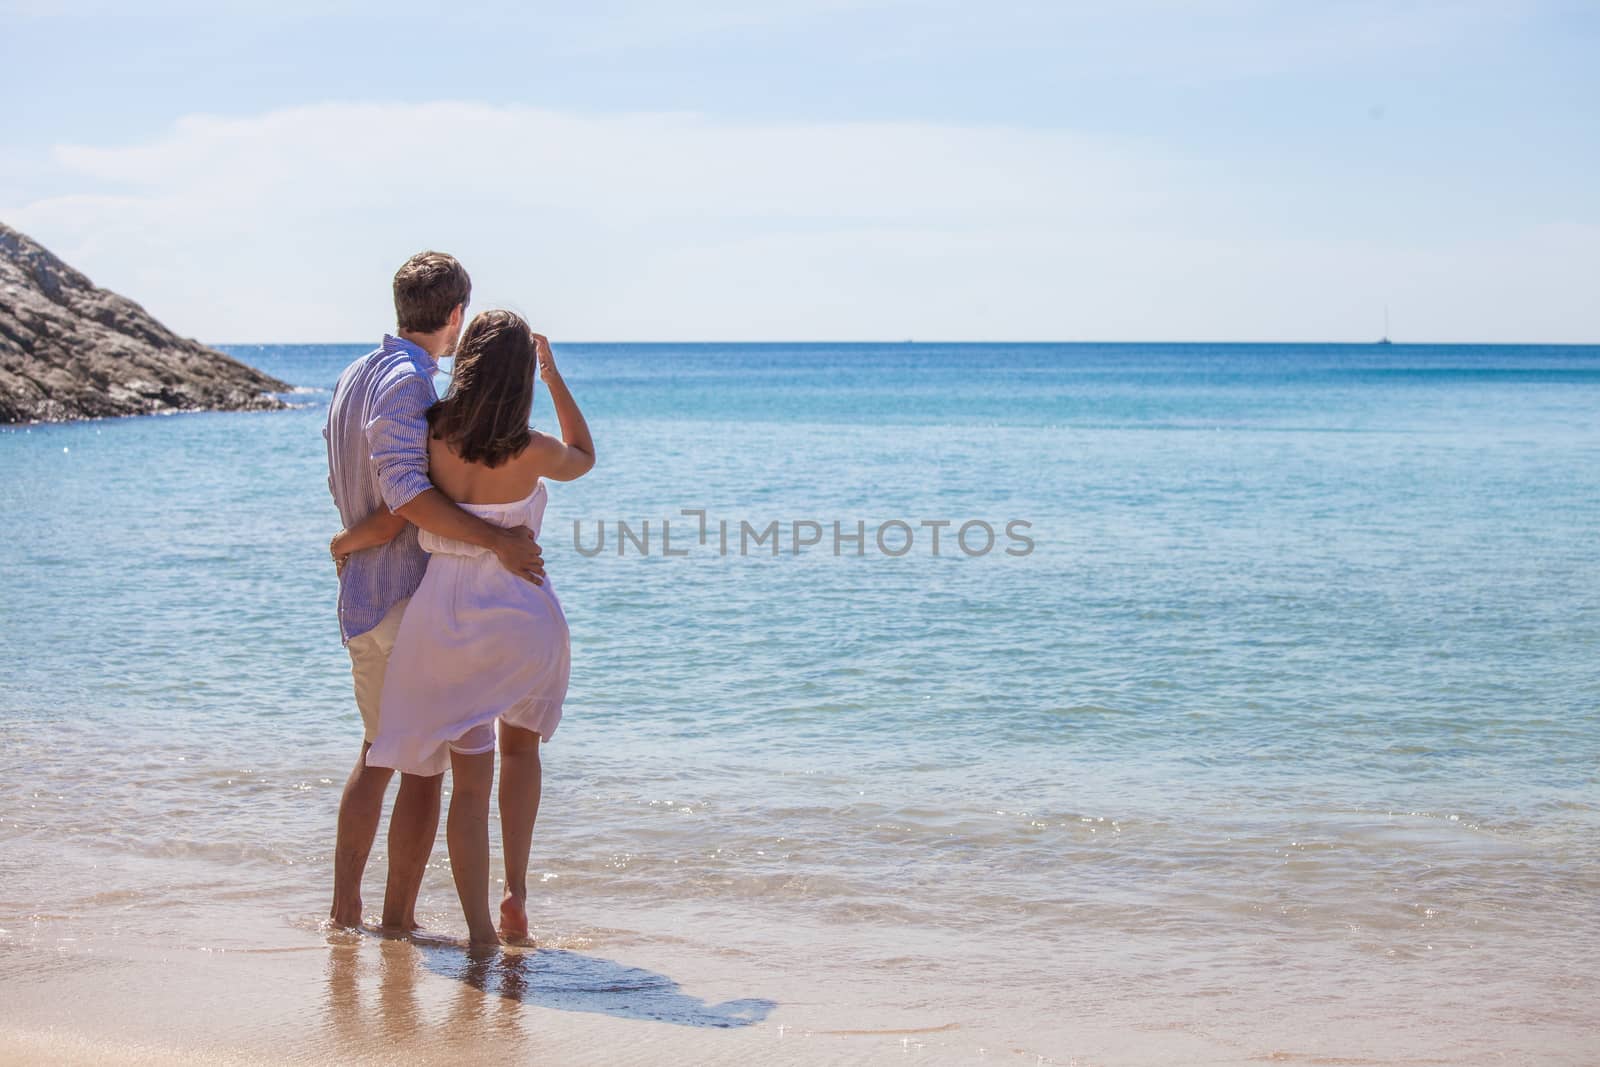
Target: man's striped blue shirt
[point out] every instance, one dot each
(377, 434)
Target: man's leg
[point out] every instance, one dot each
(360, 808)
(521, 779)
(412, 829)
(362, 804)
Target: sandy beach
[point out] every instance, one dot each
(227, 970)
(600, 996)
(355, 999)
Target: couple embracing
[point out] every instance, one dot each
(458, 645)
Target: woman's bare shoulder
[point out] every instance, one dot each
(553, 458)
(535, 456)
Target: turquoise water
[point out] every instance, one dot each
(1293, 704)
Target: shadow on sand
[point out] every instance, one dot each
(571, 981)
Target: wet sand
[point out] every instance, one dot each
(361, 998)
(275, 988)
(184, 956)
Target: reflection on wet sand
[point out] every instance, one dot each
(559, 979)
(343, 1018)
(358, 1016)
(398, 1009)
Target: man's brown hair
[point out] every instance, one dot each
(426, 289)
(484, 415)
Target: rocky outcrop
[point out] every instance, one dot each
(71, 351)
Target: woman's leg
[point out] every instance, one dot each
(467, 832)
(520, 782)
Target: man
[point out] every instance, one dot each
(377, 435)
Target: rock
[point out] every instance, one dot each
(71, 351)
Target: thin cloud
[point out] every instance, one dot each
(285, 226)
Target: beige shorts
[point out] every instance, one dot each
(369, 659)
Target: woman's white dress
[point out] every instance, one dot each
(477, 644)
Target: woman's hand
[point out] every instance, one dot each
(547, 361)
(573, 455)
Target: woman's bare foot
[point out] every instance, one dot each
(514, 918)
(482, 940)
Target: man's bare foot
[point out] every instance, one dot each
(514, 918)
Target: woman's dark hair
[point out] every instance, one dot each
(484, 415)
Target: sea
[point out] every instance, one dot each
(1035, 703)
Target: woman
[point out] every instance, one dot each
(480, 646)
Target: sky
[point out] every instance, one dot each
(1223, 170)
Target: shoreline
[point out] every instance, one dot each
(365, 998)
(240, 978)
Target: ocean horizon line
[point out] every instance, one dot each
(977, 343)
